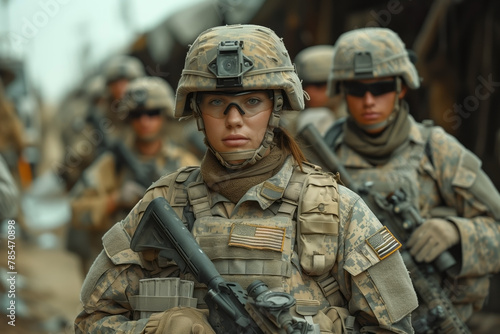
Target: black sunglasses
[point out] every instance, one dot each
(136, 114)
(359, 89)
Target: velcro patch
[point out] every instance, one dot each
(257, 237)
(383, 243)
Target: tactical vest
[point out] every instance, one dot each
(400, 172)
(301, 237)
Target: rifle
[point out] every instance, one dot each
(401, 218)
(143, 173)
(230, 308)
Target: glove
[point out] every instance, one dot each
(432, 238)
(179, 320)
(130, 193)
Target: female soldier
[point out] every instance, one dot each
(319, 241)
(380, 144)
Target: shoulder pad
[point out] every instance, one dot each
(184, 173)
(178, 176)
(116, 244)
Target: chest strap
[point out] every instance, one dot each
(198, 198)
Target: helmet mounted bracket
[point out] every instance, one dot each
(230, 64)
(363, 65)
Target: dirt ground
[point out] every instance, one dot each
(48, 283)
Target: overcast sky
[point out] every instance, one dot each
(60, 39)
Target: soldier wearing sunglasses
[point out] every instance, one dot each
(380, 144)
(117, 179)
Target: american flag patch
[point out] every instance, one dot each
(384, 243)
(257, 237)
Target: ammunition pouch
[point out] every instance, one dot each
(161, 294)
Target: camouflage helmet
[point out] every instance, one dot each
(238, 57)
(123, 67)
(371, 53)
(148, 93)
(314, 63)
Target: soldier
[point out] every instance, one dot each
(80, 138)
(237, 81)
(380, 144)
(113, 184)
(313, 67)
(118, 72)
(96, 115)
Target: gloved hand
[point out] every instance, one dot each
(432, 238)
(179, 320)
(130, 193)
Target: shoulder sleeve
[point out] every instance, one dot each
(379, 286)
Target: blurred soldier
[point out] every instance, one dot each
(118, 72)
(80, 138)
(97, 117)
(313, 67)
(114, 183)
(380, 144)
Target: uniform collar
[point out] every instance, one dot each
(271, 190)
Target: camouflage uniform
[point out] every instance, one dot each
(326, 260)
(81, 140)
(440, 176)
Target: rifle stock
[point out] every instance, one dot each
(401, 218)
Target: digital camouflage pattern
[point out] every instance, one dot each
(272, 67)
(363, 279)
(388, 54)
(443, 179)
(314, 63)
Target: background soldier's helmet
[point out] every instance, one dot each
(314, 64)
(95, 87)
(123, 67)
(371, 53)
(237, 57)
(148, 93)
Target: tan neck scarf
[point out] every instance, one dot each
(377, 149)
(233, 184)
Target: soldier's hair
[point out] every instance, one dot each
(286, 142)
